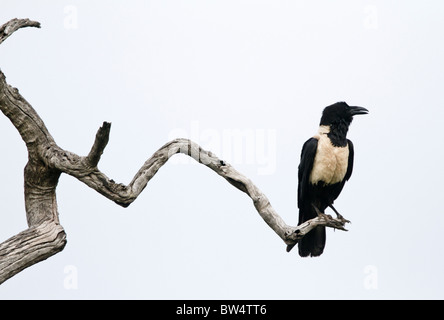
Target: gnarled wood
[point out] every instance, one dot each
(47, 161)
(29, 247)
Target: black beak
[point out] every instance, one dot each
(358, 110)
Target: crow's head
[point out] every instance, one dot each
(340, 112)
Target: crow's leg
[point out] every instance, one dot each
(339, 216)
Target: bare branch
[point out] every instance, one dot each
(29, 247)
(102, 138)
(23, 116)
(13, 25)
(293, 235)
(125, 195)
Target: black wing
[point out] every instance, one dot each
(305, 166)
(314, 242)
(351, 155)
(308, 154)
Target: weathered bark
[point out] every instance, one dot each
(47, 161)
(29, 247)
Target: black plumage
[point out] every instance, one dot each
(326, 164)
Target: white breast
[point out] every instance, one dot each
(330, 163)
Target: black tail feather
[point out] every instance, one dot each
(313, 243)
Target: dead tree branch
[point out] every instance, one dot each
(47, 161)
(13, 25)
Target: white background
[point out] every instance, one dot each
(209, 68)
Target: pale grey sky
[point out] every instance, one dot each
(248, 80)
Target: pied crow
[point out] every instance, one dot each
(326, 163)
